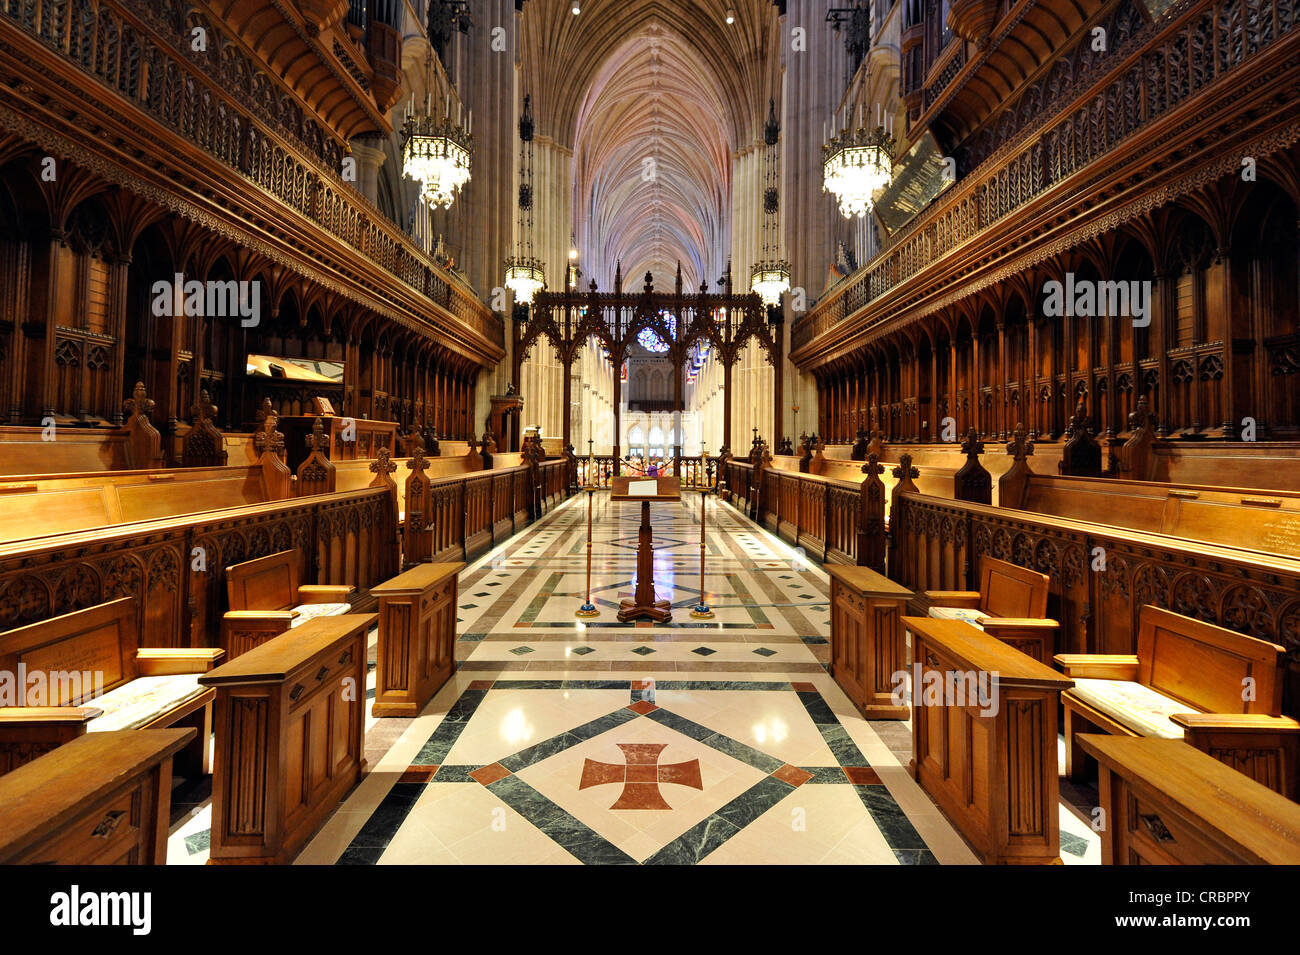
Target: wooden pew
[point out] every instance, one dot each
(989, 764)
(98, 679)
(1220, 691)
(26, 450)
(455, 517)
(103, 799)
(1011, 604)
(1259, 464)
(1166, 803)
(290, 725)
(266, 600)
(835, 520)
(175, 567)
(1101, 575)
(75, 502)
(1232, 516)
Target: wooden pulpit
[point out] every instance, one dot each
(646, 490)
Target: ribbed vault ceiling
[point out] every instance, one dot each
(653, 98)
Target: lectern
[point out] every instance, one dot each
(645, 490)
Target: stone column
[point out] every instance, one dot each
(370, 159)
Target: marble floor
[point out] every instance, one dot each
(566, 741)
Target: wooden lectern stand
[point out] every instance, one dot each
(645, 490)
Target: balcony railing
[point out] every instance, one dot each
(223, 104)
(1130, 90)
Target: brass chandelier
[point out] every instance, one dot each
(437, 152)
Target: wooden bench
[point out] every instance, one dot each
(1168, 804)
(1217, 689)
(290, 738)
(1011, 604)
(103, 799)
(85, 501)
(96, 678)
(1228, 516)
(266, 600)
(28, 450)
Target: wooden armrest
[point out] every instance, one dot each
(252, 616)
(1098, 666)
(953, 598)
(324, 593)
(167, 661)
(1236, 723)
(48, 715)
(991, 624)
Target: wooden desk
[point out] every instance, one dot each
(289, 725)
(101, 799)
(643, 602)
(417, 638)
(867, 647)
(991, 769)
(1168, 803)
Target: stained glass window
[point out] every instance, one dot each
(651, 342)
(649, 339)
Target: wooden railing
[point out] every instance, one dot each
(596, 471)
(838, 522)
(1153, 74)
(461, 515)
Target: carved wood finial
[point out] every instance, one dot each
(1013, 485)
(1019, 447)
(1081, 411)
(972, 482)
(418, 463)
(904, 470)
(267, 438)
(205, 446)
(1140, 417)
(872, 467)
(972, 446)
(316, 441)
(383, 462)
(203, 409)
(264, 410)
(859, 450)
(144, 442)
(140, 404)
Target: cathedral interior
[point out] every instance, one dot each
(720, 432)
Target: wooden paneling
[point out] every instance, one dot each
(868, 655)
(989, 763)
(175, 567)
(417, 638)
(937, 546)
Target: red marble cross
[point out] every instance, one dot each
(641, 776)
